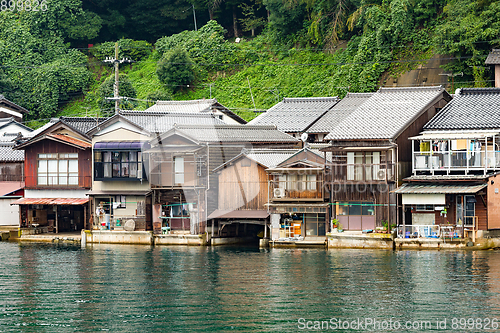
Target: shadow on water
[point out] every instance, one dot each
(60, 288)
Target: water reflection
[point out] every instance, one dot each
(53, 288)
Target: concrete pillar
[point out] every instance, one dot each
(275, 226)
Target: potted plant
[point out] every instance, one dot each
(335, 224)
(340, 228)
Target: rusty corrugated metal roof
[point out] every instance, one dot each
(51, 201)
(71, 140)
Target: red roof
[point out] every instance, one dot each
(51, 201)
(71, 140)
(9, 187)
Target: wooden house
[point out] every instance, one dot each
(9, 109)
(244, 192)
(372, 153)
(57, 173)
(455, 163)
(182, 160)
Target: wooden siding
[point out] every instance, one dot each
(11, 171)
(52, 147)
(243, 187)
(493, 202)
(481, 212)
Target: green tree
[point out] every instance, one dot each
(125, 89)
(251, 20)
(175, 69)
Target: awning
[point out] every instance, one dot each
(51, 201)
(439, 135)
(238, 214)
(439, 189)
(124, 192)
(119, 145)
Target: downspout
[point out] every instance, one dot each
(208, 188)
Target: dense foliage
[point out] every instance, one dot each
(301, 48)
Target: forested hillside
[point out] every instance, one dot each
(247, 54)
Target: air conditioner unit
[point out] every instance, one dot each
(381, 174)
(279, 192)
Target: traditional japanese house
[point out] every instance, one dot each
(244, 193)
(57, 171)
(182, 160)
(455, 162)
(298, 199)
(372, 154)
(207, 107)
(296, 115)
(120, 182)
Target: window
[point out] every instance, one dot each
(179, 170)
(120, 201)
(117, 165)
(58, 169)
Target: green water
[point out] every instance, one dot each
(54, 288)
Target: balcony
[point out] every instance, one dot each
(368, 173)
(169, 179)
(460, 160)
(306, 190)
(58, 181)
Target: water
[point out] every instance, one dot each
(58, 288)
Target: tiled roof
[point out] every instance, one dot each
(160, 122)
(471, 108)
(194, 106)
(438, 189)
(493, 58)
(295, 114)
(385, 114)
(71, 140)
(12, 105)
(7, 154)
(236, 133)
(270, 157)
(340, 111)
(82, 124)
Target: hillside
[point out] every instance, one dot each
(301, 49)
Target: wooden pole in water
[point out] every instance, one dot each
(57, 220)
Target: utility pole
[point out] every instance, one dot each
(194, 16)
(116, 63)
(452, 81)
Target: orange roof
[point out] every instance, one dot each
(71, 140)
(51, 201)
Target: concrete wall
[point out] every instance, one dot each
(119, 237)
(9, 214)
(360, 241)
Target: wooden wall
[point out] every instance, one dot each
(11, 171)
(52, 147)
(493, 193)
(243, 187)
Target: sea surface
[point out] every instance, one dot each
(62, 288)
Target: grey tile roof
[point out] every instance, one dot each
(160, 122)
(438, 188)
(193, 106)
(7, 154)
(340, 111)
(493, 58)
(270, 157)
(385, 114)
(295, 114)
(82, 124)
(471, 108)
(236, 133)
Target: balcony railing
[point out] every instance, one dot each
(58, 181)
(363, 172)
(455, 160)
(308, 190)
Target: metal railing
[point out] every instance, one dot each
(58, 180)
(440, 230)
(455, 160)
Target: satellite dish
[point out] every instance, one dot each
(304, 137)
